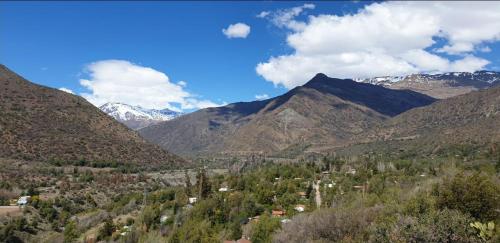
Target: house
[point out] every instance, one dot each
(300, 208)
(302, 194)
(278, 213)
(23, 200)
(330, 185)
(192, 200)
(223, 189)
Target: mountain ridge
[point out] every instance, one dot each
(441, 86)
(46, 124)
(137, 117)
(312, 113)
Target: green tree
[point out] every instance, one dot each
(236, 231)
(203, 184)
(70, 232)
(187, 183)
(262, 231)
(476, 195)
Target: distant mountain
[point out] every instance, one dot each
(324, 111)
(472, 118)
(43, 124)
(439, 86)
(136, 117)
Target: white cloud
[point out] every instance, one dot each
(390, 38)
(263, 14)
(182, 83)
(238, 30)
(66, 90)
(285, 18)
(122, 81)
(262, 96)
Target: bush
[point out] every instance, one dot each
(440, 226)
(70, 232)
(476, 195)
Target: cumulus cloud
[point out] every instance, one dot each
(262, 96)
(389, 38)
(123, 81)
(66, 90)
(238, 30)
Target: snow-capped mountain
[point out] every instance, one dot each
(440, 86)
(137, 117)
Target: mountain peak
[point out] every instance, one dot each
(320, 76)
(137, 117)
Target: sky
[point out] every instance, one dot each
(191, 55)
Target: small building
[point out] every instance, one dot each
(23, 200)
(278, 213)
(223, 189)
(300, 208)
(302, 194)
(192, 200)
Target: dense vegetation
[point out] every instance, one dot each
(371, 198)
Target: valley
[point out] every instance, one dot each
(354, 155)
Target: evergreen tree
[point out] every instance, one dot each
(187, 183)
(202, 184)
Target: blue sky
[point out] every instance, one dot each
(53, 43)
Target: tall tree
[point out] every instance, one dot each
(203, 184)
(187, 183)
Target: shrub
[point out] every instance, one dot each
(440, 226)
(476, 195)
(70, 232)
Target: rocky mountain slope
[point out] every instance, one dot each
(472, 119)
(136, 117)
(439, 86)
(41, 123)
(323, 111)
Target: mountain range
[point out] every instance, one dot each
(45, 124)
(323, 115)
(137, 117)
(324, 111)
(329, 114)
(439, 86)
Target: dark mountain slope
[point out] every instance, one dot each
(468, 119)
(323, 111)
(40, 123)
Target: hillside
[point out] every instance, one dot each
(469, 119)
(41, 123)
(136, 117)
(323, 111)
(439, 86)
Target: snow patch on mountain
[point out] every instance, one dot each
(489, 77)
(125, 112)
